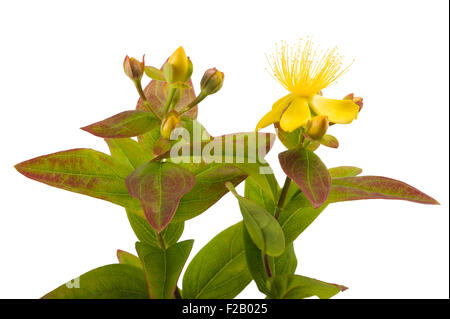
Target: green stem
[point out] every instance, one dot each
(278, 208)
(194, 102)
(144, 99)
(161, 241)
(282, 197)
(170, 96)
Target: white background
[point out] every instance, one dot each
(61, 68)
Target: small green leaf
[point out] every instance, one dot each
(82, 171)
(159, 187)
(289, 139)
(163, 267)
(154, 73)
(262, 227)
(145, 233)
(307, 170)
(330, 141)
(125, 124)
(300, 287)
(375, 187)
(128, 259)
(219, 270)
(128, 152)
(116, 281)
(344, 171)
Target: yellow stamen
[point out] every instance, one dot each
(304, 70)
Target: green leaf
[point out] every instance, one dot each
(255, 193)
(82, 171)
(289, 139)
(147, 141)
(241, 150)
(196, 130)
(163, 267)
(125, 124)
(300, 287)
(116, 281)
(145, 233)
(255, 263)
(344, 171)
(154, 73)
(159, 187)
(128, 259)
(219, 270)
(375, 187)
(297, 216)
(286, 263)
(128, 152)
(262, 227)
(208, 189)
(156, 93)
(307, 170)
(330, 141)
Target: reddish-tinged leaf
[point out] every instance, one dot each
(83, 171)
(125, 124)
(344, 171)
(307, 170)
(300, 287)
(159, 187)
(375, 187)
(156, 93)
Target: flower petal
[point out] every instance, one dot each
(274, 115)
(338, 111)
(296, 115)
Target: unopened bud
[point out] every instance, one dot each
(178, 68)
(169, 123)
(356, 99)
(133, 68)
(317, 127)
(211, 81)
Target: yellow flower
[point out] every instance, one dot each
(304, 72)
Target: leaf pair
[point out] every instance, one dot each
(163, 267)
(312, 177)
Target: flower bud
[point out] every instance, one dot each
(317, 127)
(133, 68)
(211, 81)
(169, 123)
(356, 99)
(178, 68)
